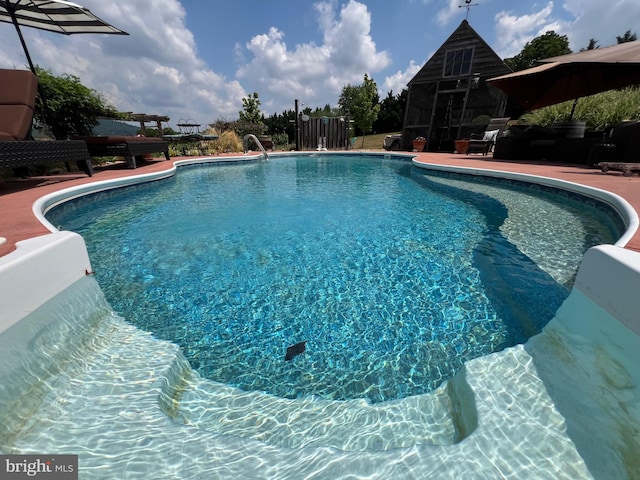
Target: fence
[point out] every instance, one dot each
(330, 133)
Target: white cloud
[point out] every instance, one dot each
(580, 20)
(447, 13)
(350, 43)
(513, 32)
(399, 80)
(593, 20)
(310, 72)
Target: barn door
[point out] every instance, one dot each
(447, 119)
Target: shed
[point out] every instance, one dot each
(449, 97)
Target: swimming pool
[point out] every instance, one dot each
(130, 405)
(388, 273)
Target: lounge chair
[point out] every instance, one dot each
(18, 89)
(127, 147)
(483, 143)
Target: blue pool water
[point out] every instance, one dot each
(395, 277)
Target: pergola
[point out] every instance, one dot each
(143, 118)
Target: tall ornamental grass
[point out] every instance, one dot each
(227, 142)
(601, 111)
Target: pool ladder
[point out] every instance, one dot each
(245, 144)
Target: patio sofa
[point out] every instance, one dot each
(18, 89)
(131, 148)
(562, 143)
(626, 138)
(620, 150)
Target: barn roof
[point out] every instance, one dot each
(485, 61)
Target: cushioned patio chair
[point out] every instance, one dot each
(18, 89)
(127, 147)
(483, 143)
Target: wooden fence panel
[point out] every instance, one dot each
(330, 133)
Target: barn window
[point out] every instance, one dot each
(458, 62)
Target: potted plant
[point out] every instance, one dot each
(462, 145)
(419, 143)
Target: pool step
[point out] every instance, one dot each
(352, 425)
(108, 411)
(120, 405)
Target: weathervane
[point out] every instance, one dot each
(468, 6)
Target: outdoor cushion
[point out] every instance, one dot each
(18, 87)
(18, 90)
(15, 121)
(490, 135)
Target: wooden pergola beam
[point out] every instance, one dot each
(143, 118)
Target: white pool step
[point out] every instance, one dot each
(122, 406)
(346, 425)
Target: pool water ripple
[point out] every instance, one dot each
(389, 276)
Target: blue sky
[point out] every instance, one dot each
(197, 59)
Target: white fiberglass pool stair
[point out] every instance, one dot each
(131, 407)
(353, 425)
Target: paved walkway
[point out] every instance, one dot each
(17, 221)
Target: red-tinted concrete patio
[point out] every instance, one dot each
(17, 221)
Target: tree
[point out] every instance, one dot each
(283, 123)
(251, 109)
(71, 108)
(627, 37)
(154, 132)
(547, 45)
(391, 113)
(593, 44)
(251, 119)
(362, 103)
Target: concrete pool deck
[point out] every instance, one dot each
(17, 196)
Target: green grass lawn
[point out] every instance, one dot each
(371, 142)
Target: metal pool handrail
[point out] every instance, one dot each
(245, 142)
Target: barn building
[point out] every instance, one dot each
(449, 98)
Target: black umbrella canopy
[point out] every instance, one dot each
(54, 16)
(628, 52)
(572, 76)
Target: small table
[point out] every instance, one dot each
(627, 169)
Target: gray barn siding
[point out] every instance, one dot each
(441, 108)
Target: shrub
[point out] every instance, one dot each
(281, 140)
(229, 141)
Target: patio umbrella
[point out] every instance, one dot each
(54, 16)
(572, 76)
